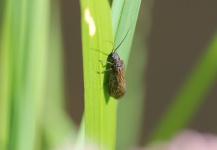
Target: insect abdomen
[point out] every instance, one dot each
(116, 85)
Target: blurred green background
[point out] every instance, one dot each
(171, 75)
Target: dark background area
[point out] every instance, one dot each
(180, 32)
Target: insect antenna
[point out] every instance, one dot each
(123, 39)
(99, 51)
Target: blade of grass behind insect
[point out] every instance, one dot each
(130, 109)
(124, 16)
(5, 76)
(190, 96)
(100, 108)
(57, 126)
(28, 48)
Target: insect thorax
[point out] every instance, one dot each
(114, 57)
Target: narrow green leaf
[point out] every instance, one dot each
(24, 49)
(100, 108)
(190, 97)
(5, 76)
(124, 16)
(130, 108)
(2, 14)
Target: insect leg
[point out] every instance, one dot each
(106, 62)
(105, 71)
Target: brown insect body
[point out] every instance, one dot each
(116, 84)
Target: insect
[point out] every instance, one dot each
(116, 83)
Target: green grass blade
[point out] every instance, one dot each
(2, 14)
(5, 77)
(124, 16)
(100, 109)
(122, 21)
(191, 95)
(130, 109)
(24, 45)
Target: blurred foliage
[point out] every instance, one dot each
(191, 95)
(31, 90)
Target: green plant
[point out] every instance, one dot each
(100, 108)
